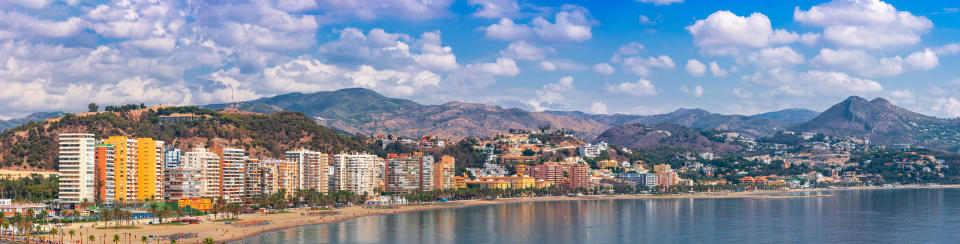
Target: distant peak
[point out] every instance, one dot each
(856, 99)
(881, 101)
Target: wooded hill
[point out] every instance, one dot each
(34, 145)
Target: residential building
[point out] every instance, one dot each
(579, 175)
(77, 164)
(408, 172)
(279, 175)
(550, 171)
(124, 167)
(149, 169)
(209, 165)
(357, 173)
(182, 183)
(443, 173)
(104, 172)
(252, 178)
(516, 182)
(171, 158)
(231, 172)
(314, 168)
(593, 150)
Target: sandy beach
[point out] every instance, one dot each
(222, 232)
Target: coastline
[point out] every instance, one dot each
(221, 232)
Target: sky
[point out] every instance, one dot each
(604, 57)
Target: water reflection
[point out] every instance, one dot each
(883, 216)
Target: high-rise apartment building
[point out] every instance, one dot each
(579, 175)
(171, 158)
(209, 165)
(231, 172)
(104, 155)
(408, 172)
(443, 173)
(314, 168)
(182, 183)
(77, 165)
(124, 167)
(279, 175)
(550, 171)
(149, 169)
(357, 173)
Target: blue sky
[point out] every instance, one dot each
(637, 57)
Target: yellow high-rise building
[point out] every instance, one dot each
(138, 168)
(149, 169)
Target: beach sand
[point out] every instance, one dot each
(221, 232)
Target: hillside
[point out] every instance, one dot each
(884, 124)
(790, 115)
(650, 137)
(694, 118)
(38, 116)
(34, 145)
(358, 110)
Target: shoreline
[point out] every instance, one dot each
(221, 232)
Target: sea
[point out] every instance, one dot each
(849, 216)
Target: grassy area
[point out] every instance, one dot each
(228, 220)
(124, 227)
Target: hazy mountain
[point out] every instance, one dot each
(36, 117)
(790, 115)
(648, 137)
(884, 124)
(694, 118)
(359, 110)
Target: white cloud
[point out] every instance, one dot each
(548, 66)
(697, 91)
(642, 87)
(949, 49)
(522, 50)
(404, 9)
(644, 20)
(949, 106)
(598, 108)
(864, 23)
(629, 49)
(723, 32)
(695, 68)
(922, 60)
(811, 83)
(660, 2)
(552, 94)
(502, 67)
(776, 57)
(643, 66)
(810, 39)
(434, 55)
(716, 70)
(495, 8)
(22, 25)
(571, 24)
(861, 63)
(603, 69)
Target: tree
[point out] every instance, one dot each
(143, 239)
(92, 107)
(72, 233)
(208, 240)
(116, 238)
(92, 238)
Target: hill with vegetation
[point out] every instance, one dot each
(34, 145)
(38, 116)
(663, 136)
(884, 123)
(359, 110)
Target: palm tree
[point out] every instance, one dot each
(92, 238)
(173, 241)
(208, 240)
(143, 239)
(3, 221)
(116, 238)
(71, 233)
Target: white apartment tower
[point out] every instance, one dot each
(77, 167)
(209, 165)
(314, 169)
(357, 173)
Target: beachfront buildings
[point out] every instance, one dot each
(209, 165)
(314, 168)
(357, 173)
(443, 172)
(137, 168)
(231, 172)
(406, 173)
(77, 167)
(104, 156)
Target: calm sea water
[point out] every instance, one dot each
(864, 216)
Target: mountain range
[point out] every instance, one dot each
(38, 116)
(358, 110)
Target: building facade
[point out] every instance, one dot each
(357, 173)
(77, 164)
(405, 173)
